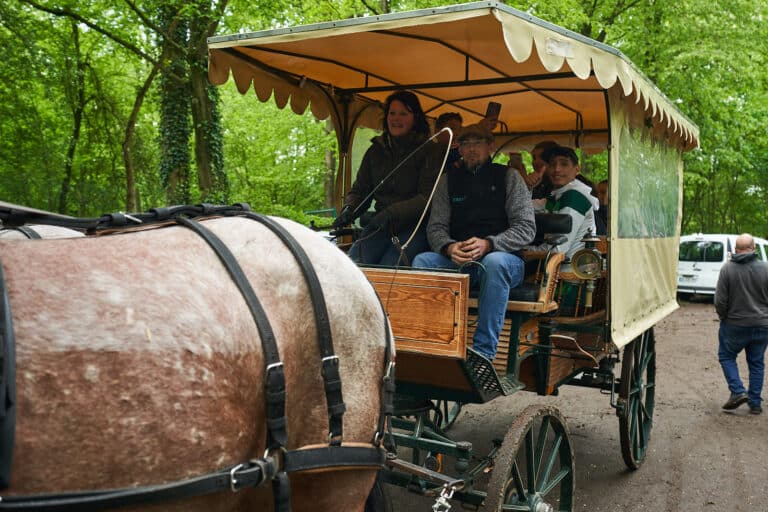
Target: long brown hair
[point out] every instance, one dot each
(411, 102)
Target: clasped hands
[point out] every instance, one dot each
(469, 250)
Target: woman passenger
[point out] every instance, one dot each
(400, 197)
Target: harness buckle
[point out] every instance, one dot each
(272, 366)
(232, 480)
(270, 453)
(330, 358)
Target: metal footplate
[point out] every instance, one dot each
(481, 372)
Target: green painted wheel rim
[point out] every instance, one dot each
(534, 468)
(636, 398)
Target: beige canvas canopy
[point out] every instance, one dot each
(548, 80)
(552, 83)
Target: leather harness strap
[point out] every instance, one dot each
(333, 457)
(7, 385)
(329, 360)
(277, 436)
(27, 232)
(14, 215)
(235, 478)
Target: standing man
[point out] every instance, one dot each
(481, 218)
(741, 302)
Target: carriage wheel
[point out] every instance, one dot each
(636, 398)
(444, 413)
(534, 469)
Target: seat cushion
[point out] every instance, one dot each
(526, 292)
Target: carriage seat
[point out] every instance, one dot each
(536, 293)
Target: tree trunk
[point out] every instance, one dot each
(77, 103)
(132, 203)
(174, 111)
(206, 119)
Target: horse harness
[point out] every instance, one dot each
(27, 231)
(277, 461)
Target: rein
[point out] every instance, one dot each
(278, 461)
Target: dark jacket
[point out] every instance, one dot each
(741, 296)
(521, 226)
(478, 201)
(404, 194)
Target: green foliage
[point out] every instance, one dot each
(276, 160)
(707, 56)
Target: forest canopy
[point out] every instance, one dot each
(106, 104)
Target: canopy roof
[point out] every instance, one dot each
(455, 58)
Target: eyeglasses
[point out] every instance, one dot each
(472, 143)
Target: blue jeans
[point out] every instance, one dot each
(375, 247)
(753, 341)
(503, 271)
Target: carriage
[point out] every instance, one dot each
(584, 322)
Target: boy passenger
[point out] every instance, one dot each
(569, 195)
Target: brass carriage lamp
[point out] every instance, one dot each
(587, 264)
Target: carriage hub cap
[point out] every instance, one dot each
(543, 507)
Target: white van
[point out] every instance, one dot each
(701, 257)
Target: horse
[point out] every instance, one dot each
(138, 362)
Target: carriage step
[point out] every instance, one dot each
(484, 376)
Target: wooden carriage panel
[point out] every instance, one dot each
(426, 370)
(427, 310)
(528, 336)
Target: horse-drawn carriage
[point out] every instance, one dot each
(172, 320)
(572, 322)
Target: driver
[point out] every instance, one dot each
(397, 172)
(481, 217)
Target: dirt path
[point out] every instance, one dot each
(700, 458)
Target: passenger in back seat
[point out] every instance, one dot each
(569, 195)
(481, 218)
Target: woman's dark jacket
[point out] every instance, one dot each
(404, 194)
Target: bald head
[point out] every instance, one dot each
(745, 243)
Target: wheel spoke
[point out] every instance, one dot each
(643, 366)
(553, 456)
(530, 461)
(541, 443)
(517, 480)
(564, 472)
(521, 507)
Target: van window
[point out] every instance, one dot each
(761, 250)
(701, 251)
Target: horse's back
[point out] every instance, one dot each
(139, 362)
(37, 231)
